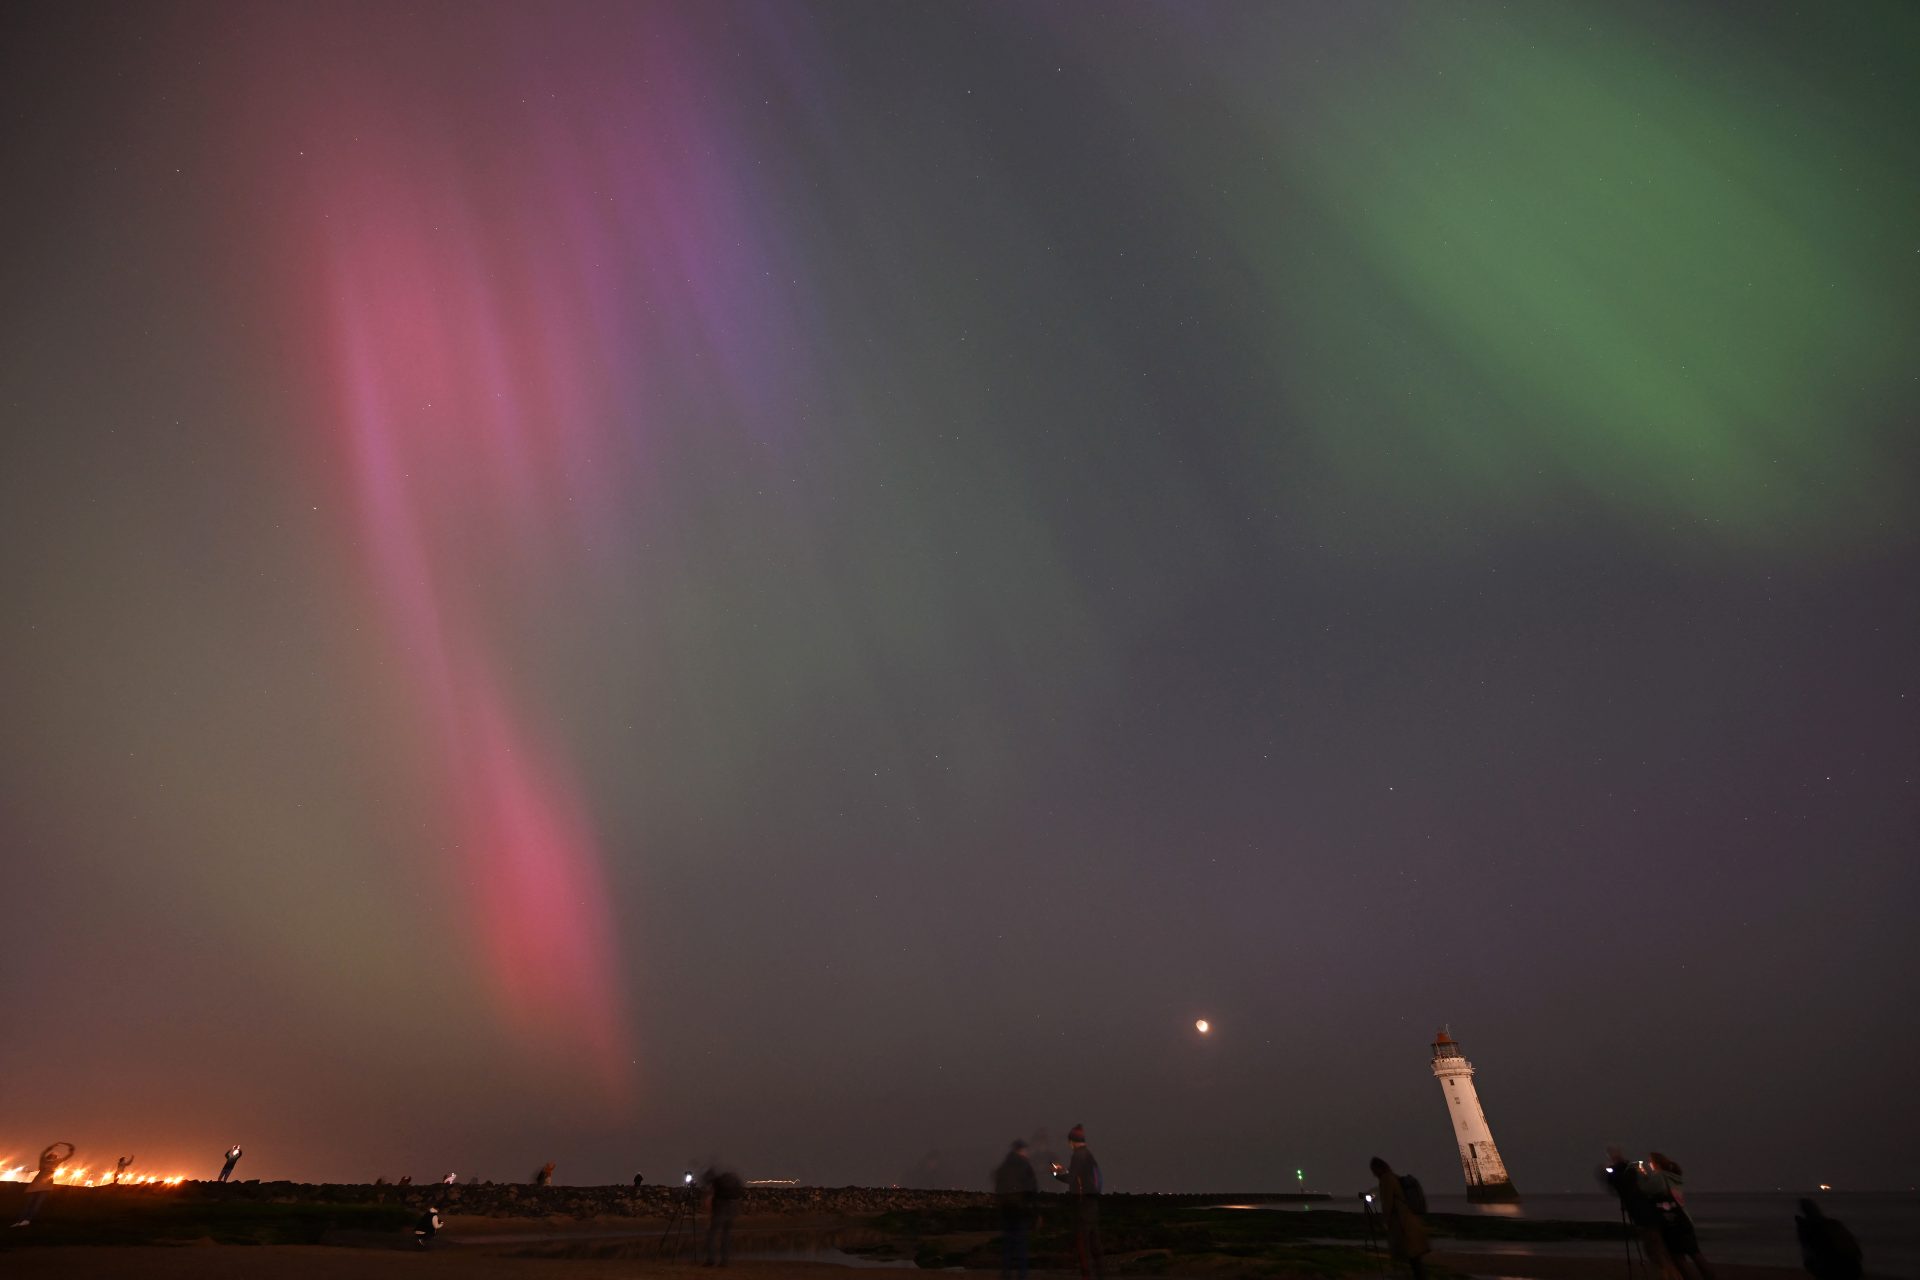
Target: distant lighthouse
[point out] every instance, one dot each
(1487, 1180)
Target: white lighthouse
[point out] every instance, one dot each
(1487, 1180)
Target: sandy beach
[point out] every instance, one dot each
(493, 1249)
(244, 1230)
(487, 1262)
(315, 1262)
(1551, 1268)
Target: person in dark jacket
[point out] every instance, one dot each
(1016, 1190)
(233, 1158)
(1666, 1188)
(1406, 1232)
(1082, 1176)
(725, 1191)
(1623, 1178)
(428, 1226)
(1827, 1249)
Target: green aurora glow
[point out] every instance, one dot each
(1554, 256)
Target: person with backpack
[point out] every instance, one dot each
(1827, 1249)
(1406, 1230)
(1015, 1189)
(1082, 1176)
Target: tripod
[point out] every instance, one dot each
(682, 1224)
(1373, 1235)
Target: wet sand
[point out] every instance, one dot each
(1537, 1267)
(495, 1262)
(321, 1262)
(509, 1249)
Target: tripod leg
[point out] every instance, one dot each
(670, 1234)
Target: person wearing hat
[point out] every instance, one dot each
(1014, 1187)
(1082, 1176)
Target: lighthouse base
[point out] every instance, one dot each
(1493, 1193)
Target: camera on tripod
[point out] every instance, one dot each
(684, 1222)
(1373, 1227)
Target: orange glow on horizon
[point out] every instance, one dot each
(71, 1175)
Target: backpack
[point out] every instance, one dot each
(1415, 1193)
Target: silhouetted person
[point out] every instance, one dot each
(1017, 1191)
(233, 1158)
(42, 1182)
(1827, 1249)
(427, 1227)
(1406, 1233)
(724, 1193)
(544, 1178)
(639, 1180)
(1665, 1188)
(1082, 1176)
(121, 1166)
(1623, 1178)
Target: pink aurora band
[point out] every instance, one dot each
(488, 264)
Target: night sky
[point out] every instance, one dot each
(810, 584)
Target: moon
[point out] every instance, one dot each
(1202, 1026)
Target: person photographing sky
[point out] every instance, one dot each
(1406, 1231)
(1082, 1176)
(1015, 1190)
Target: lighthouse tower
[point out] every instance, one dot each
(1487, 1180)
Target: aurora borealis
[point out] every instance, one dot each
(812, 583)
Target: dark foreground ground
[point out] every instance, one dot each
(213, 1233)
